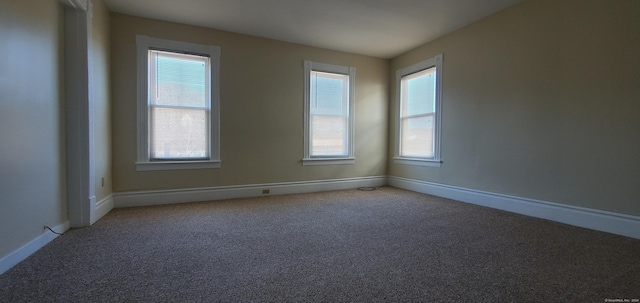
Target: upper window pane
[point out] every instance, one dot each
(328, 93)
(419, 92)
(178, 79)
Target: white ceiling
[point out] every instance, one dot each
(379, 28)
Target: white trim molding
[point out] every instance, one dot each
(102, 208)
(212, 74)
(77, 4)
(328, 161)
(159, 197)
(349, 156)
(417, 162)
(435, 62)
(28, 249)
(615, 223)
(79, 112)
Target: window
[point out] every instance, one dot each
(328, 114)
(178, 110)
(419, 118)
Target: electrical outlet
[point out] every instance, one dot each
(103, 182)
(265, 191)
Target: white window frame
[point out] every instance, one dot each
(310, 66)
(427, 64)
(143, 162)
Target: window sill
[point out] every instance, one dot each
(417, 161)
(327, 161)
(174, 165)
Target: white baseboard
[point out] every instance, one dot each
(615, 223)
(28, 249)
(158, 197)
(102, 208)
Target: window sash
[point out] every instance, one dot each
(178, 132)
(418, 142)
(331, 138)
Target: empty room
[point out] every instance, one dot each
(319, 151)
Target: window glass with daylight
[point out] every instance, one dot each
(419, 112)
(177, 105)
(328, 114)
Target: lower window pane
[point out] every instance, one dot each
(417, 137)
(328, 135)
(179, 133)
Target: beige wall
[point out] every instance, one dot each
(261, 97)
(101, 90)
(32, 117)
(541, 101)
(32, 148)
